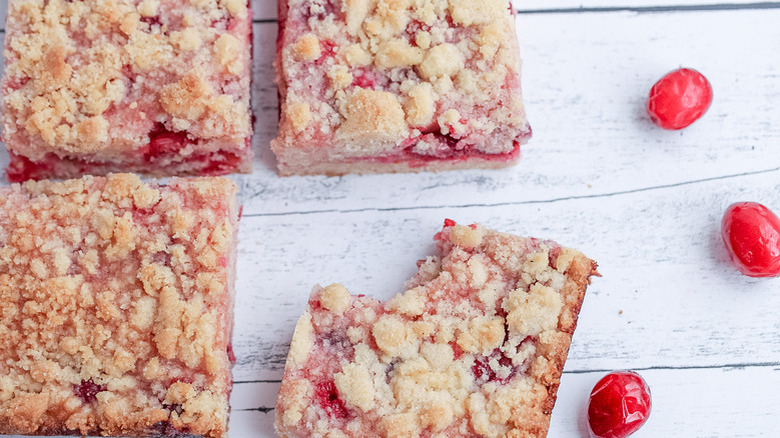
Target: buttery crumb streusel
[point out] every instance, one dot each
(474, 347)
(397, 85)
(116, 306)
(94, 86)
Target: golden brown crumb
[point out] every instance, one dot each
(373, 120)
(446, 64)
(83, 80)
(476, 344)
(103, 320)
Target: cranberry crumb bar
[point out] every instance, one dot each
(402, 85)
(116, 302)
(153, 86)
(474, 347)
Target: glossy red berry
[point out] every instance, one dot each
(679, 99)
(619, 405)
(751, 233)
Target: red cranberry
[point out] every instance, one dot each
(328, 398)
(619, 405)
(752, 236)
(87, 390)
(449, 223)
(679, 99)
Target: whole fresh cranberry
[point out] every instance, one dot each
(679, 99)
(619, 405)
(751, 233)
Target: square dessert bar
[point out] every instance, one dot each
(474, 347)
(116, 306)
(159, 87)
(397, 85)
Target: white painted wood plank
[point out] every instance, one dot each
(554, 5)
(254, 396)
(660, 252)
(586, 78)
(266, 9)
(724, 402)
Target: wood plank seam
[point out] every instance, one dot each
(531, 202)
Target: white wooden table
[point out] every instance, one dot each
(598, 176)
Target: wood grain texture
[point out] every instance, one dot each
(598, 176)
(265, 10)
(574, 6)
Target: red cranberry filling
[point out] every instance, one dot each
(484, 373)
(228, 164)
(22, 169)
(457, 352)
(163, 142)
(363, 78)
(328, 398)
(152, 21)
(328, 50)
(162, 258)
(15, 83)
(328, 8)
(413, 28)
(231, 354)
(87, 390)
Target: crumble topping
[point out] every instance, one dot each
(440, 61)
(475, 346)
(308, 47)
(398, 53)
(187, 97)
(300, 116)
(373, 121)
(438, 58)
(335, 298)
(469, 12)
(116, 300)
(74, 69)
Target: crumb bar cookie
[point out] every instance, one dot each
(474, 347)
(403, 85)
(116, 303)
(159, 87)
